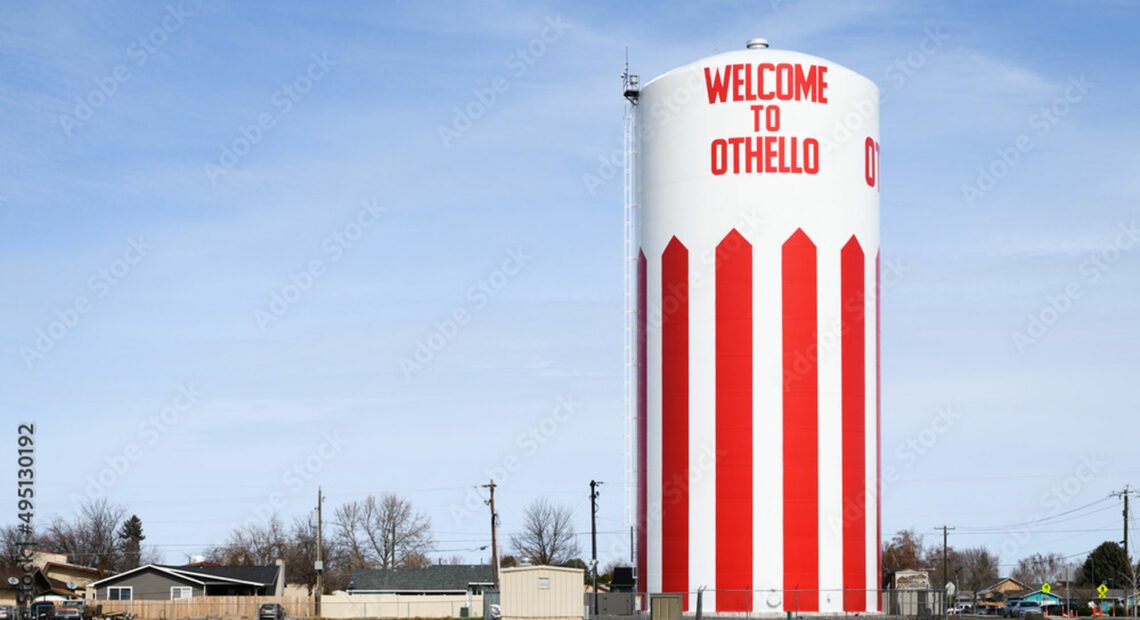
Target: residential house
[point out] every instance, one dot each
(1005, 589)
(995, 596)
(438, 591)
(437, 579)
(56, 566)
(1041, 597)
(42, 585)
(161, 582)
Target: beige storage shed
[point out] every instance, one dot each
(548, 592)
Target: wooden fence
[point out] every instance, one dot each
(208, 607)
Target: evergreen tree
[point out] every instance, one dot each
(1106, 564)
(131, 537)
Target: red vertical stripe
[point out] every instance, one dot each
(853, 348)
(801, 424)
(733, 423)
(675, 419)
(878, 451)
(642, 429)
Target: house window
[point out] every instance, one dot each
(178, 592)
(119, 594)
(544, 583)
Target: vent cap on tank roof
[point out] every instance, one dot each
(757, 44)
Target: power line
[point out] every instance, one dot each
(994, 532)
(1040, 520)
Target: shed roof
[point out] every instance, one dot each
(435, 578)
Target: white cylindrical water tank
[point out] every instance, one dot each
(758, 416)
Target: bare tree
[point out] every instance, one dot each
(979, 569)
(933, 561)
(547, 537)
(151, 555)
(253, 545)
(1035, 569)
(11, 540)
(296, 544)
(90, 538)
(384, 532)
(301, 556)
(347, 525)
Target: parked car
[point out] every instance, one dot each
(271, 611)
(41, 610)
(7, 612)
(68, 610)
(1020, 608)
(1008, 607)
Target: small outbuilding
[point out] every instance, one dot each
(546, 592)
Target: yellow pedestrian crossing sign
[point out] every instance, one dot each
(1045, 587)
(1101, 590)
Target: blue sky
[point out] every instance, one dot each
(248, 218)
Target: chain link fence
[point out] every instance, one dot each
(778, 602)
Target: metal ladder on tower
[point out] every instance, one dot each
(629, 84)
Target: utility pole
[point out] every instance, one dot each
(320, 538)
(594, 538)
(494, 541)
(1131, 570)
(1068, 601)
(945, 572)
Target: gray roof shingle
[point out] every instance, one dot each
(435, 578)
